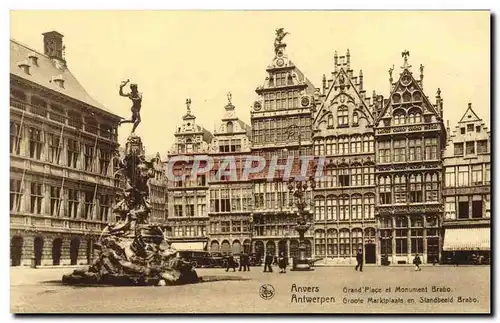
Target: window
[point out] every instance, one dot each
(89, 204)
(415, 188)
(463, 175)
(355, 144)
(343, 116)
(399, 150)
(477, 174)
(470, 127)
(385, 190)
(431, 148)
(319, 242)
(384, 150)
(89, 157)
(344, 176)
(104, 159)
(36, 143)
(458, 149)
(368, 143)
(356, 175)
(36, 198)
(225, 226)
(355, 119)
(332, 242)
(344, 243)
(178, 207)
(487, 174)
(15, 195)
(331, 147)
(201, 207)
(330, 121)
(357, 241)
(477, 206)
(356, 207)
(469, 148)
(15, 138)
(482, 146)
(319, 208)
(450, 208)
(73, 203)
(449, 177)
(462, 130)
(369, 206)
(189, 146)
(344, 207)
(400, 189)
(478, 128)
(431, 187)
(73, 153)
(343, 146)
(229, 127)
(74, 119)
(415, 149)
(38, 106)
(463, 207)
(54, 148)
(189, 206)
(104, 206)
(236, 226)
(417, 241)
(55, 200)
(368, 176)
(399, 118)
(401, 235)
(331, 208)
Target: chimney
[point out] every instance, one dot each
(53, 45)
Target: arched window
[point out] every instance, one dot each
(431, 187)
(369, 206)
(331, 177)
(355, 144)
(357, 240)
(385, 189)
(343, 116)
(368, 174)
(399, 117)
(319, 208)
(319, 242)
(343, 145)
(415, 188)
(330, 121)
(368, 143)
(356, 207)
(344, 207)
(331, 146)
(344, 243)
(332, 242)
(356, 175)
(189, 146)
(355, 119)
(229, 127)
(331, 207)
(400, 189)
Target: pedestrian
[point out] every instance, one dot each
(359, 260)
(282, 262)
(244, 262)
(268, 260)
(231, 263)
(247, 262)
(417, 262)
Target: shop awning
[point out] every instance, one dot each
(189, 245)
(465, 239)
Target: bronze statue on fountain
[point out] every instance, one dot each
(133, 251)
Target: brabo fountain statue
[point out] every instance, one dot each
(132, 251)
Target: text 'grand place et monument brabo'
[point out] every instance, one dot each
(319, 175)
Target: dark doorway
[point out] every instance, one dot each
(73, 250)
(56, 251)
(432, 250)
(38, 250)
(370, 254)
(16, 250)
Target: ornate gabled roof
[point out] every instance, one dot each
(239, 126)
(48, 73)
(342, 84)
(469, 115)
(407, 90)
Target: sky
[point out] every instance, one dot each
(202, 55)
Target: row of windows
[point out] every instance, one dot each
(281, 130)
(342, 118)
(344, 145)
(467, 207)
(76, 203)
(57, 113)
(343, 177)
(234, 226)
(401, 117)
(414, 188)
(471, 147)
(33, 143)
(345, 207)
(400, 150)
(230, 200)
(189, 231)
(467, 175)
(343, 243)
(414, 221)
(282, 99)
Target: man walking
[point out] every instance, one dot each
(359, 260)
(417, 262)
(231, 263)
(267, 262)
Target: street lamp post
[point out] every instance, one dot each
(298, 189)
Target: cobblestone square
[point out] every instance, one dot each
(324, 290)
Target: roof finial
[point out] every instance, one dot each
(188, 104)
(405, 54)
(470, 105)
(439, 92)
(390, 73)
(229, 97)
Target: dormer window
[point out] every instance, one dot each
(24, 66)
(59, 81)
(33, 60)
(230, 127)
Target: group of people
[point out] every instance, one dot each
(244, 262)
(281, 261)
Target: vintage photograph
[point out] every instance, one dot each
(251, 162)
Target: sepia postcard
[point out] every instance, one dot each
(260, 162)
